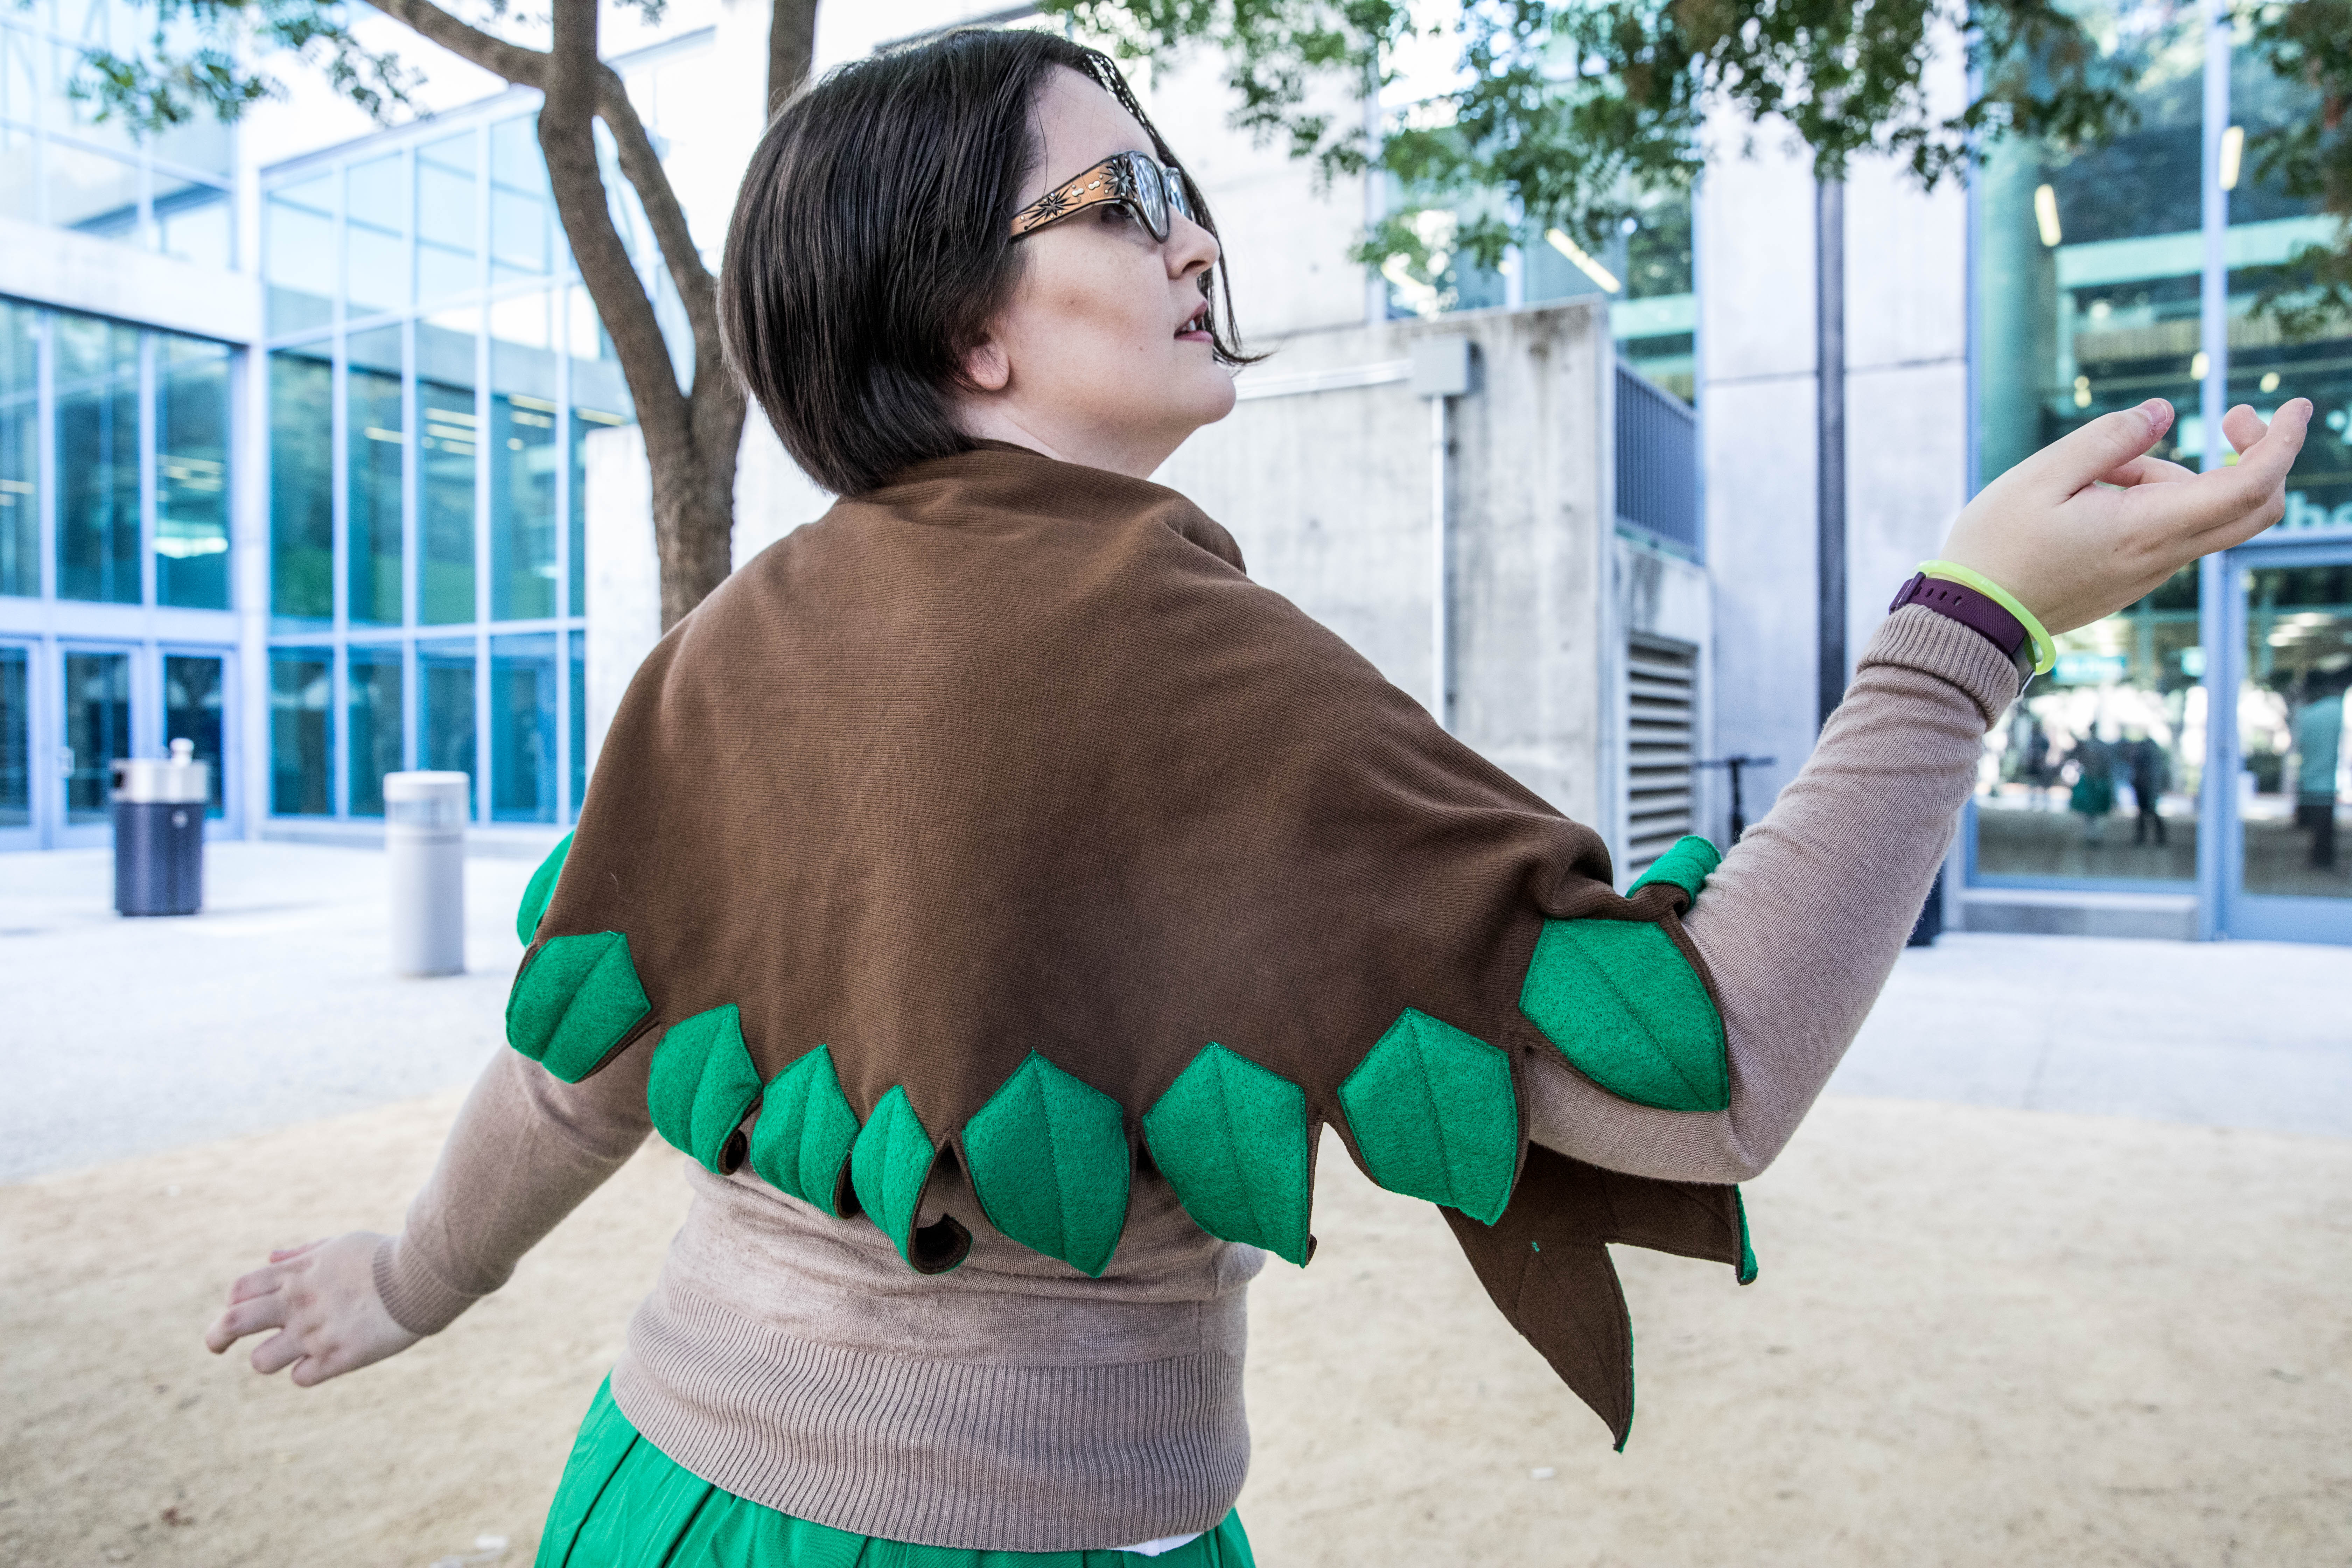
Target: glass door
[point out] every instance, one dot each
(18, 828)
(2287, 829)
(195, 710)
(97, 730)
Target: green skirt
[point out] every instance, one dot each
(624, 1503)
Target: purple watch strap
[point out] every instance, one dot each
(1976, 611)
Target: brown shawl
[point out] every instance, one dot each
(998, 816)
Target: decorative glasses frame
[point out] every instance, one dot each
(1127, 179)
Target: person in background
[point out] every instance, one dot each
(2151, 775)
(2318, 746)
(2093, 795)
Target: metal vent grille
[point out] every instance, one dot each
(1661, 708)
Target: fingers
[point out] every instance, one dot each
(2225, 506)
(282, 1254)
(2145, 471)
(2105, 445)
(2242, 425)
(260, 1282)
(249, 1316)
(279, 1352)
(2247, 499)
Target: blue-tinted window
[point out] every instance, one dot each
(522, 241)
(192, 713)
(448, 254)
(97, 730)
(96, 193)
(301, 500)
(375, 724)
(2089, 262)
(20, 456)
(374, 441)
(302, 734)
(98, 459)
(15, 739)
(195, 220)
(579, 725)
(444, 709)
(445, 460)
(523, 458)
(299, 254)
(192, 421)
(376, 236)
(522, 728)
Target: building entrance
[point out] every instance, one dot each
(2286, 810)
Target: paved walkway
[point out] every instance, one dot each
(274, 1006)
(2227, 1034)
(123, 1037)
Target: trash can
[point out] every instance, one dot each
(424, 846)
(159, 832)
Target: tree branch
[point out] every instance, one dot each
(524, 67)
(567, 140)
(642, 168)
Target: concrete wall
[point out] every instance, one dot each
(1907, 313)
(1329, 492)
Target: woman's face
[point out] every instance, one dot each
(1102, 356)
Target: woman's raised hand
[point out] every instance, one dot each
(2072, 549)
(320, 1297)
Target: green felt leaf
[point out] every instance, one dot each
(1231, 1137)
(805, 1131)
(1050, 1161)
(702, 1083)
(539, 890)
(1435, 1116)
(1688, 865)
(1746, 1253)
(1627, 1010)
(888, 1165)
(575, 1000)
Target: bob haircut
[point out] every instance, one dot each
(872, 245)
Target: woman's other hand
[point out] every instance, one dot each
(320, 1297)
(2092, 523)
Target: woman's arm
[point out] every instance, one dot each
(526, 1149)
(1801, 924)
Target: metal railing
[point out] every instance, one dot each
(1657, 465)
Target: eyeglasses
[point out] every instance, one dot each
(1145, 187)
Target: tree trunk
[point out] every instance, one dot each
(791, 45)
(692, 435)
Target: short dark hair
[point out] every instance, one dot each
(872, 245)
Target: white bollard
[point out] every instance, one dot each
(424, 846)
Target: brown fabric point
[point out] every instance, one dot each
(1011, 755)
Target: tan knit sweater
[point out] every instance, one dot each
(1014, 1403)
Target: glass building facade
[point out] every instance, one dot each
(1644, 270)
(60, 167)
(2193, 743)
(116, 636)
(433, 374)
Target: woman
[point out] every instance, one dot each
(995, 892)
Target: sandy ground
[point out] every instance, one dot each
(1981, 1336)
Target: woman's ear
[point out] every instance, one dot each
(987, 368)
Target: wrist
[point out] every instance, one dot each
(1977, 601)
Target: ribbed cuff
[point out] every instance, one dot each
(1918, 638)
(417, 1299)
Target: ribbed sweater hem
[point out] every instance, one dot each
(938, 1453)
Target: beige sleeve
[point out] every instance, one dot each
(1801, 924)
(526, 1149)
